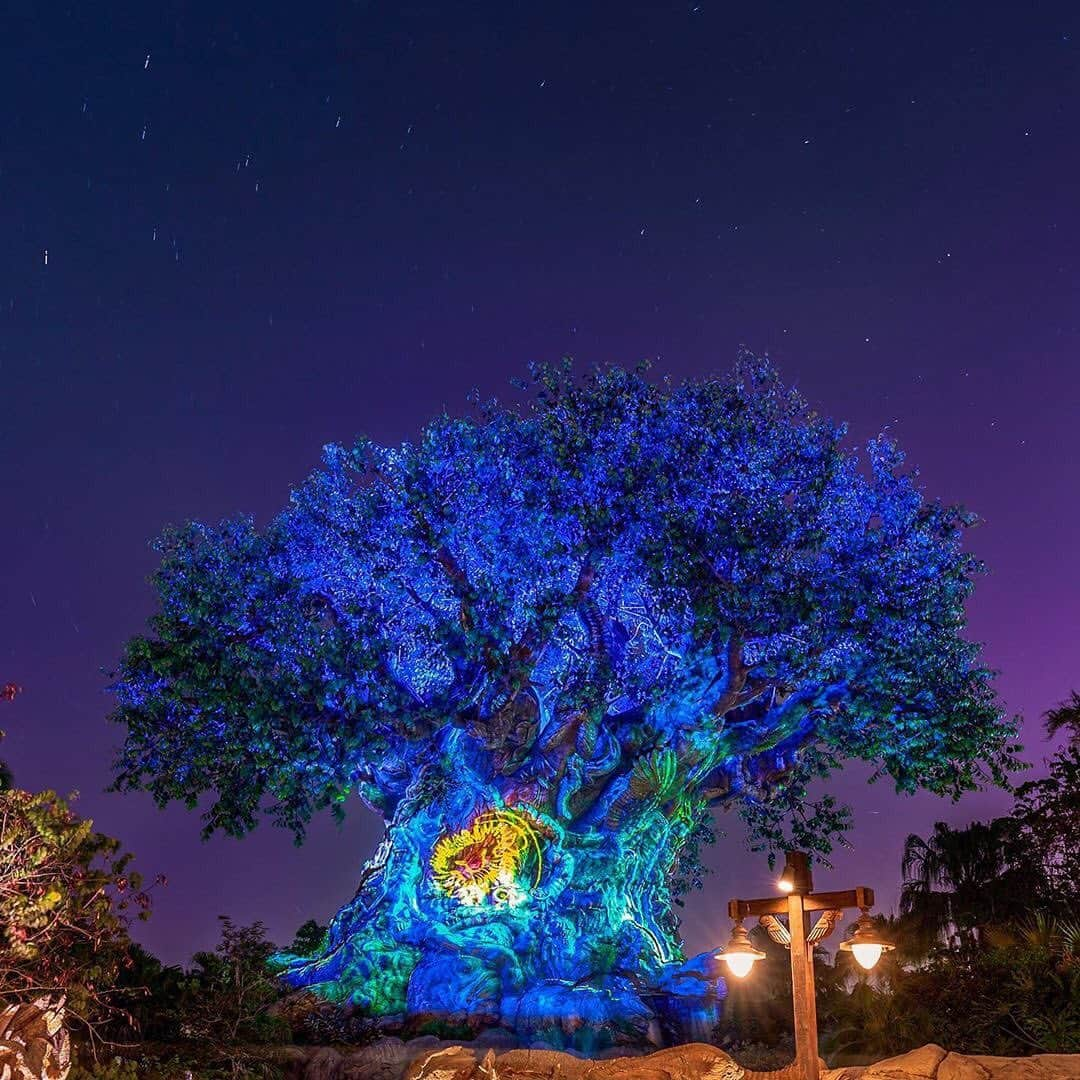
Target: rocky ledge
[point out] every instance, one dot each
(429, 1059)
(934, 1063)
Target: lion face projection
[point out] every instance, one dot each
(486, 861)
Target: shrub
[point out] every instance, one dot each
(64, 909)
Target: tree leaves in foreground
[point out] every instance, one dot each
(66, 896)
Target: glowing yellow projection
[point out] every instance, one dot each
(483, 861)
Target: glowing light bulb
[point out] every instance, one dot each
(739, 964)
(785, 885)
(866, 955)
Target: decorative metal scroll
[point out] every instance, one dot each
(777, 930)
(822, 928)
(825, 925)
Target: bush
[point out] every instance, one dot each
(317, 1022)
(1017, 995)
(759, 1057)
(152, 1062)
(228, 995)
(64, 910)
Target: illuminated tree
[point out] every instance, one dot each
(543, 644)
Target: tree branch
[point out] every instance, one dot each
(735, 676)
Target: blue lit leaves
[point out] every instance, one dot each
(609, 611)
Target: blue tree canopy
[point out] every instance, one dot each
(698, 589)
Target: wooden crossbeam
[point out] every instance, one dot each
(863, 896)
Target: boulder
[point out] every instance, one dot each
(324, 1063)
(921, 1064)
(384, 1059)
(34, 1043)
(933, 1063)
(985, 1067)
(428, 1058)
(539, 1061)
(452, 1063)
(695, 1060)
(675, 1063)
(293, 1061)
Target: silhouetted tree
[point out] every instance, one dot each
(308, 938)
(1065, 719)
(1047, 816)
(957, 881)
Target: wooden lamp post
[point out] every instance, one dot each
(800, 935)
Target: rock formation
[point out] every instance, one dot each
(34, 1044)
(934, 1063)
(430, 1059)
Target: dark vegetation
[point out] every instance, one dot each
(987, 957)
(988, 941)
(817, 603)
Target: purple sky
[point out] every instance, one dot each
(271, 229)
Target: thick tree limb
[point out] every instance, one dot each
(734, 677)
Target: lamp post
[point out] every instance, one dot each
(800, 935)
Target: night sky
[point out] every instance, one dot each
(230, 236)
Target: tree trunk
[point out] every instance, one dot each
(481, 908)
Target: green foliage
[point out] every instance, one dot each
(114, 1068)
(309, 938)
(1044, 981)
(763, 1057)
(323, 1023)
(213, 1020)
(152, 994)
(988, 942)
(1017, 994)
(1065, 719)
(231, 989)
(167, 1062)
(987, 956)
(68, 894)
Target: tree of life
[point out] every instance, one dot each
(544, 643)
